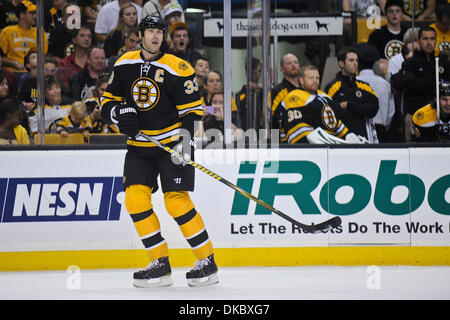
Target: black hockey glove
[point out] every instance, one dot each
(184, 148)
(127, 120)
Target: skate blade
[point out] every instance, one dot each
(202, 282)
(164, 281)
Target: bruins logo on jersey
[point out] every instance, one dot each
(328, 117)
(145, 93)
(392, 48)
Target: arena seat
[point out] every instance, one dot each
(55, 138)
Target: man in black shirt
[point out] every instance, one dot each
(389, 38)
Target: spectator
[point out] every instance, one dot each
(201, 68)
(172, 13)
(56, 106)
(14, 50)
(11, 130)
(308, 111)
(77, 121)
(240, 98)
(108, 18)
(410, 39)
(290, 68)
(417, 78)
(180, 43)
(356, 99)
(428, 127)
(8, 13)
(116, 38)
(213, 85)
(157, 6)
(55, 14)
(83, 83)
(12, 79)
(94, 108)
(215, 120)
(422, 10)
(367, 55)
(389, 38)
(442, 27)
(27, 91)
(30, 62)
(60, 39)
(69, 66)
(131, 44)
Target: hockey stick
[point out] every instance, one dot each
(313, 228)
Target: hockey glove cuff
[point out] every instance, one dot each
(126, 119)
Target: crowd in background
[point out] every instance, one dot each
(385, 90)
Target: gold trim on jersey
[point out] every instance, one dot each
(365, 87)
(425, 117)
(107, 97)
(334, 88)
(299, 131)
(297, 98)
(174, 65)
(192, 107)
(278, 99)
(164, 136)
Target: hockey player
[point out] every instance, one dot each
(309, 115)
(157, 93)
(427, 127)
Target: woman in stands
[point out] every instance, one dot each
(115, 41)
(11, 131)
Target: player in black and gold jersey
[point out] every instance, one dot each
(309, 108)
(157, 93)
(427, 126)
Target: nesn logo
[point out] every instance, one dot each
(60, 199)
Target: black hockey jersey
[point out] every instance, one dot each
(164, 91)
(303, 112)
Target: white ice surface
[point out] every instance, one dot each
(238, 283)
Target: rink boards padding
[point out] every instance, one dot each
(62, 207)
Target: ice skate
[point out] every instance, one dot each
(204, 273)
(157, 274)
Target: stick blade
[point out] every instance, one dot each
(324, 226)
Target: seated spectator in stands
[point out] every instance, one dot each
(309, 114)
(172, 13)
(83, 83)
(94, 108)
(290, 68)
(11, 130)
(8, 13)
(410, 39)
(357, 102)
(442, 27)
(115, 40)
(215, 120)
(56, 106)
(5, 92)
(27, 91)
(89, 9)
(367, 56)
(389, 38)
(30, 62)
(54, 15)
(201, 69)
(25, 30)
(60, 43)
(157, 6)
(239, 103)
(213, 85)
(417, 78)
(427, 126)
(180, 43)
(108, 17)
(76, 62)
(131, 44)
(12, 79)
(422, 11)
(77, 121)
